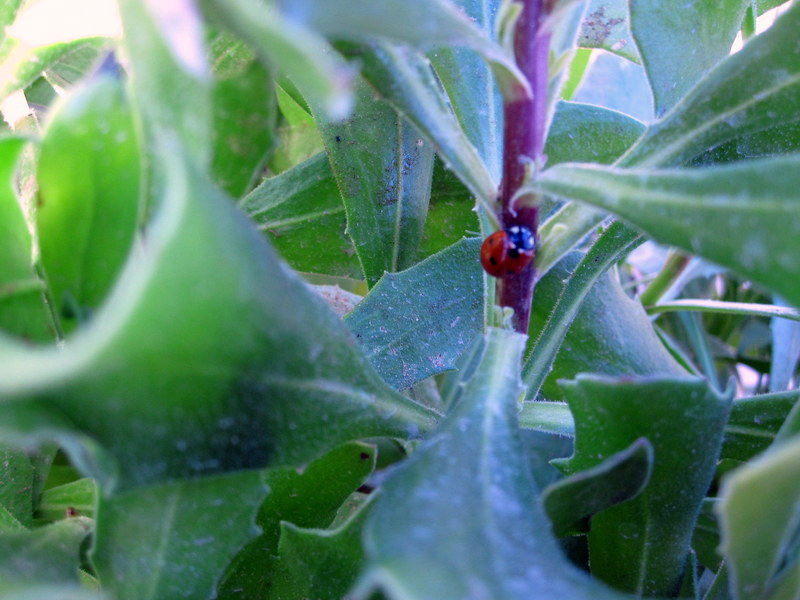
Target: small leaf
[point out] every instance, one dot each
(41, 556)
(399, 21)
(309, 499)
(642, 545)
(679, 46)
(383, 168)
(606, 25)
(589, 133)
(416, 323)
(175, 539)
(755, 90)
(753, 205)
(571, 502)
(302, 213)
(547, 417)
(89, 188)
(759, 540)
(16, 485)
(80, 496)
(22, 308)
(460, 519)
(754, 423)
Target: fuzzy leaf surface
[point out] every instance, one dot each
(606, 25)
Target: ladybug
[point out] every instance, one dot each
(508, 251)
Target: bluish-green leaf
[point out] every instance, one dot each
(754, 423)
(759, 515)
(571, 502)
(244, 351)
(383, 168)
(753, 206)
(415, 324)
(748, 96)
(642, 545)
(302, 213)
(174, 540)
(424, 538)
(588, 133)
(606, 26)
(680, 44)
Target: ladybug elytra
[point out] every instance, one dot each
(508, 251)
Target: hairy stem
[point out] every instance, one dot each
(524, 137)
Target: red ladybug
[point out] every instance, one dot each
(508, 251)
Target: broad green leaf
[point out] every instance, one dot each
(606, 26)
(420, 23)
(237, 372)
(383, 168)
(589, 133)
(22, 308)
(175, 539)
(679, 45)
(583, 321)
(404, 78)
(79, 496)
(309, 499)
(755, 90)
(471, 89)
(547, 417)
(8, 12)
(642, 545)
(753, 206)
(45, 555)
(21, 63)
(416, 323)
(244, 114)
(754, 423)
(16, 484)
(75, 65)
(89, 189)
(319, 563)
(319, 72)
(301, 211)
(461, 519)
(759, 514)
(173, 81)
(571, 502)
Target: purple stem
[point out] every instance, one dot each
(524, 136)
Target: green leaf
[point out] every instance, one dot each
(319, 72)
(174, 539)
(244, 113)
(570, 502)
(399, 21)
(680, 45)
(760, 540)
(383, 168)
(460, 519)
(16, 485)
(641, 545)
(547, 417)
(404, 78)
(299, 136)
(23, 63)
(606, 26)
(583, 321)
(240, 372)
(45, 555)
(173, 81)
(309, 499)
(749, 96)
(302, 213)
(79, 495)
(318, 563)
(22, 309)
(754, 423)
(89, 189)
(416, 323)
(471, 89)
(8, 12)
(730, 308)
(753, 206)
(589, 133)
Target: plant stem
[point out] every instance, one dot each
(524, 136)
